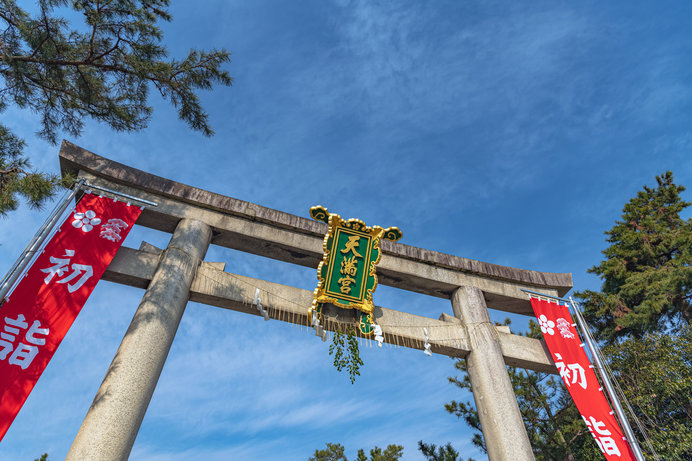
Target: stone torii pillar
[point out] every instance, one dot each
(503, 428)
(112, 422)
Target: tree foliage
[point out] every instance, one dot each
(642, 315)
(335, 452)
(441, 453)
(346, 356)
(102, 69)
(391, 453)
(647, 270)
(655, 374)
(16, 177)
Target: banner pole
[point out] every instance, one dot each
(35, 244)
(631, 440)
(543, 295)
(120, 194)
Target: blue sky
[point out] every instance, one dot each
(511, 133)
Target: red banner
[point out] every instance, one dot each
(45, 303)
(577, 373)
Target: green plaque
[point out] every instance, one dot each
(346, 276)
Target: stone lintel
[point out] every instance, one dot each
(235, 292)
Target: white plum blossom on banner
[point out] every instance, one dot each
(86, 221)
(546, 325)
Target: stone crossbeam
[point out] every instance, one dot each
(213, 286)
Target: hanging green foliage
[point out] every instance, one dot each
(346, 356)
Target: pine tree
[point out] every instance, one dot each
(391, 453)
(335, 452)
(442, 453)
(102, 70)
(647, 270)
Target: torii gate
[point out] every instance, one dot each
(171, 277)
